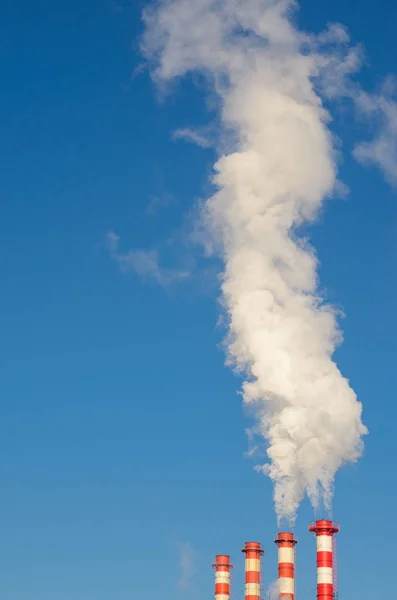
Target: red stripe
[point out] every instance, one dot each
(285, 574)
(325, 591)
(252, 577)
(324, 559)
(286, 570)
(285, 544)
(222, 588)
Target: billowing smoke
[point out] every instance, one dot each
(273, 591)
(282, 166)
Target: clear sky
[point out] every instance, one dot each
(121, 432)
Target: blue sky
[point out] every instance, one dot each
(121, 431)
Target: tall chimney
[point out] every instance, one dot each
(286, 565)
(222, 568)
(253, 553)
(326, 580)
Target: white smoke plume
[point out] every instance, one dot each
(187, 565)
(283, 165)
(382, 150)
(273, 591)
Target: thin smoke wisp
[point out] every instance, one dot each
(275, 178)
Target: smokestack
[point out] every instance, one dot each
(325, 532)
(253, 553)
(222, 568)
(286, 565)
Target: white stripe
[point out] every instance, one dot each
(252, 564)
(285, 555)
(286, 585)
(222, 577)
(252, 589)
(324, 543)
(324, 575)
(222, 596)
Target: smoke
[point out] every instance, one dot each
(144, 263)
(273, 591)
(382, 150)
(187, 561)
(281, 335)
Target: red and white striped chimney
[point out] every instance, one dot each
(325, 532)
(253, 553)
(222, 568)
(286, 565)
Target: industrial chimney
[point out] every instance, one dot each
(253, 553)
(326, 579)
(222, 568)
(286, 565)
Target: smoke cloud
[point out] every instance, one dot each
(281, 335)
(144, 263)
(273, 591)
(382, 150)
(187, 562)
